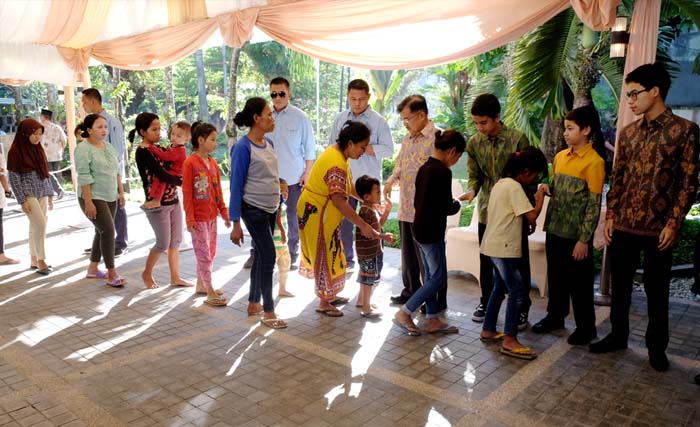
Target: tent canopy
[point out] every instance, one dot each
(55, 40)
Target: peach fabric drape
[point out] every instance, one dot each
(598, 15)
(644, 34)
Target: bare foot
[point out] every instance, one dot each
(180, 283)
(149, 282)
(285, 293)
(254, 309)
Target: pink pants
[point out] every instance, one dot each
(204, 244)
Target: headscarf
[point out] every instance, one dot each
(25, 157)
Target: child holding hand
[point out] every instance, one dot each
(370, 253)
(501, 243)
(173, 159)
(204, 202)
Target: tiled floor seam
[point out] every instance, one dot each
(60, 389)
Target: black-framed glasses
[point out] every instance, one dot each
(633, 94)
(281, 94)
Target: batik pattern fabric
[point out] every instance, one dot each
(576, 188)
(654, 180)
(486, 157)
(319, 222)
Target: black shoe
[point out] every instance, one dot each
(696, 286)
(697, 379)
(293, 267)
(522, 321)
(607, 344)
(479, 313)
(120, 252)
(546, 325)
(399, 299)
(249, 262)
(579, 337)
(87, 251)
(658, 361)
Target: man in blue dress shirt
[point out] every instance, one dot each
(296, 151)
(380, 146)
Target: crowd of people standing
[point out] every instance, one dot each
(276, 182)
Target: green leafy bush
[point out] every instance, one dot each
(388, 164)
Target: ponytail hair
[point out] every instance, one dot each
(531, 159)
(142, 123)
(87, 123)
(200, 129)
(352, 131)
(253, 106)
(445, 140)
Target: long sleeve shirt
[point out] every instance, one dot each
(201, 190)
(294, 142)
(29, 184)
(54, 142)
(415, 150)
(116, 138)
(433, 202)
(577, 188)
(149, 167)
(254, 177)
(486, 158)
(654, 180)
(380, 140)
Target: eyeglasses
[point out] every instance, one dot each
(409, 118)
(281, 94)
(633, 94)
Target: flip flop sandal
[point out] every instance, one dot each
(499, 336)
(330, 312)
(44, 271)
(274, 323)
(445, 330)
(215, 302)
(340, 301)
(373, 306)
(524, 353)
(371, 314)
(98, 275)
(255, 313)
(218, 292)
(116, 282)
(9, 261)
(411, 330)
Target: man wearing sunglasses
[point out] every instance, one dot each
(380, 146)
(296, 151)
(654, 182)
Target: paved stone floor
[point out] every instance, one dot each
(74, 352)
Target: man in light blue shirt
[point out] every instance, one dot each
(92, 104)
(380, 146)
(296, 151)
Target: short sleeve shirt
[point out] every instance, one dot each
(503, 235)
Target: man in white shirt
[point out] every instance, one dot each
(380, 146)
(54, 142)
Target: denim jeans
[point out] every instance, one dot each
(261, 226)
(435, 265)
(506, 279)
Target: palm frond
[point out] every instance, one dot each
(690, 8)
(611, 72)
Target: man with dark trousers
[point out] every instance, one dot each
(654, 182)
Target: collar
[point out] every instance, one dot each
(364, 113)
(427, 131)
(659, 121)
(286, 108)
(580, 153)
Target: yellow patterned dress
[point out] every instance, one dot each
(319, 222)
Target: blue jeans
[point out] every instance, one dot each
(261, 226)
(347, 236)
(506, 279)
(435, 266)
(120, 227)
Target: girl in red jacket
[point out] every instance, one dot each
(201, 190)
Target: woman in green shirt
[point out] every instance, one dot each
(99, 188)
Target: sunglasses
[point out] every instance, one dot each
(281, 94)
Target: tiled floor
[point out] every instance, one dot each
(74, 352)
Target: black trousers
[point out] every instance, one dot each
(624, 251)
(486, 269)
(569, 279)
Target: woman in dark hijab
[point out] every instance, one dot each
(29, 178)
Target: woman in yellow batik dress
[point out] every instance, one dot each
(322, 206)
